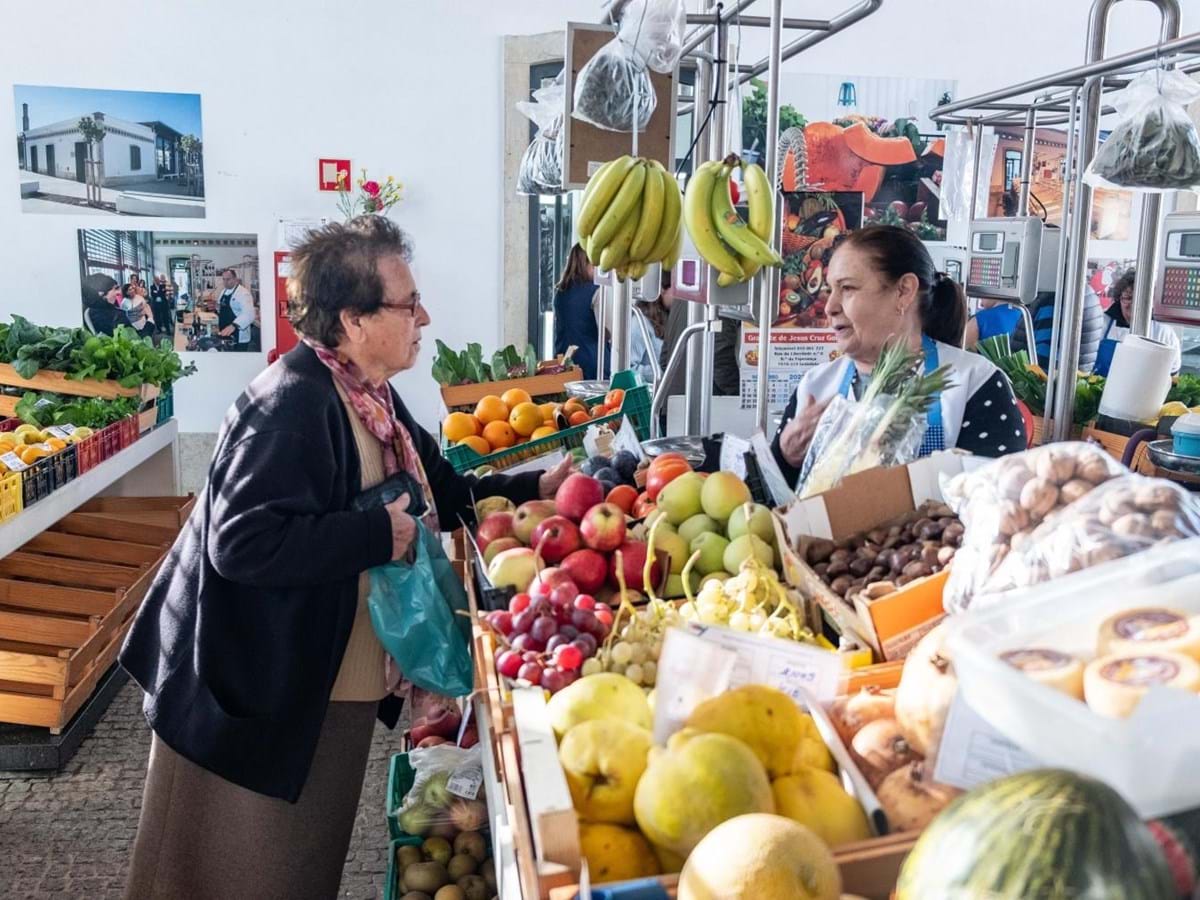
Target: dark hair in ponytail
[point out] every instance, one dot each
(898, 252)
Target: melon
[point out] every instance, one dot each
(1048, 833)
(865, 144)
(870, 180)
(830, 164)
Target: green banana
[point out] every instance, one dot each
(653, 206)
(606, 183)
(627, 200)
(616, 252)
(697, 216)
(760, 201)
(672, 209)
(733, 230)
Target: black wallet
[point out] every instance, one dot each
(389, 490)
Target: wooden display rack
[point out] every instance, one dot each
(467, 395)
(59, 383)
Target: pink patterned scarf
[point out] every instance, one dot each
(377, 412)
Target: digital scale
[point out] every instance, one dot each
(1177, 297)
(1012, 259)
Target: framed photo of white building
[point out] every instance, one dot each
(134, 153)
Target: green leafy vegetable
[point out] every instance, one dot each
(48, 409)
(1185, 389)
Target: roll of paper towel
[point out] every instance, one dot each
(1138, 380)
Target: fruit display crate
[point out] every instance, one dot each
(165, 406)
(11, 495)
(399, 783)
(636, 408)
(544, 387)
(101, 446)
(47, 475)
(391, 887)
(59, 383)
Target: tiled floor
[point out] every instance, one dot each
(69, 835)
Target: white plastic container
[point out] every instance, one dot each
(1151, 757)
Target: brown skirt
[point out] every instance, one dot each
(201, 837)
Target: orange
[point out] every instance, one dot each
(525, 419)
(544, 431)
(478, 444)
(515, 397)
(623, 496)
(491, 409)
(573, 406)
(615, 398)
(499, 435)
(460, 425)
(548, 412)
(31, 454)
(578, 418)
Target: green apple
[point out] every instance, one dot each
(666, 541)
(653, 516)
(712, 552)
(750, 518)
(741, 549)
(680, 499)
(723, 493)
(674, 586)
(698, 525)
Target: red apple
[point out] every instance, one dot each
(497, 525)
(603, 527)
(547, 580)
(587, 568)
(633, 561)
(556, 538)
(577, 495)
(529, 516)
(644, 506)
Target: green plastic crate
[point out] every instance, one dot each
(636, 408)
(400, 781)
(166, 405)
(391, 888)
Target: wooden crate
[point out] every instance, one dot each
(59, 383)
(461, 395)
(166, 512)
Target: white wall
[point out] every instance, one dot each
(414, 89)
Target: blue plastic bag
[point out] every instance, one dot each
(414, 610)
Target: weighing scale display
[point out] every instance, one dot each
(1178, 284)
(1189, 245)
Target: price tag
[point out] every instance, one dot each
(61, 431)
(538, 464)
(733, 455)
(465, 781)
(690, 670)
(13, 462)
(973, 752)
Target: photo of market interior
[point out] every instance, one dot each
(617, 449)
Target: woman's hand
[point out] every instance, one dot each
(798, 433)
(404, 527)
(549, 483)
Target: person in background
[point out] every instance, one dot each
(726, 375)
(102, 312)
(995, 317)
(575, 314)
(884, 288)
(141, 317)
(656, 312)
(160, 303)
(1119, 315)
(262, 673)
(235, 310)
(1042, 311)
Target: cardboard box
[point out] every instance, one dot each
(889, 625)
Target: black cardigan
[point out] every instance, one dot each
(240, 637)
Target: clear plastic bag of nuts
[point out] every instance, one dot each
(1001, 503)
(1121, 517)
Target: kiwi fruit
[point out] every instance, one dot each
(474, 887)
(416, 895)
(426, 877)
(408, 855)
(450, 892)
(472, 844)
(461, 865)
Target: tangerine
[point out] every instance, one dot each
(578, 418)
(624, 496)
(549, 410)
(525, 419)
(515, 397)
(476, 443)
(615, 398)
(491, 409)
(499, 435)
(459, 425)
(544, 431)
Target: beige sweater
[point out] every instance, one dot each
(361, 676)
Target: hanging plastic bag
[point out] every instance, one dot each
(414, 610)
(1154, 147)
(446, 792)
(613, 90)
(540, 171)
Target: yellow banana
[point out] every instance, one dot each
(590, 188)
(724, 280)
(697, 216)
(637, 270)
(732, 229)
(607, 182)
(653, 205)
(673, 252)
(672, 209)
(616, 253)
(627, 200)
(760, 201)
(593, 257)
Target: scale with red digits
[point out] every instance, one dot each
(1177, 287)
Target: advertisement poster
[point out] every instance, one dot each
(1102, 274)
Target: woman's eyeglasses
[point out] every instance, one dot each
(408, 306)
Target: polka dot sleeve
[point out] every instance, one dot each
(992, 423)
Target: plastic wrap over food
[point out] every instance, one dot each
(853, 436)
(446, 791)
(1121, 517)
(1002, 502)
(540, 171)
(655, 29)
(1155, 146)
(613, 90)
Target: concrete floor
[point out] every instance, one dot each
(66, 195)
(69, 835)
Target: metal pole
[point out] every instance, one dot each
(977, 135)
(622, 303)
(660, 397)
(700, 35)
(770, 276)
(602, 316)
(655, 366)
(1027, 161)
(791, 24)
(838, 23)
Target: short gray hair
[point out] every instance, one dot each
(336, 268)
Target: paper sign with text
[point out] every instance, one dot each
(973, 752)
(690, 670)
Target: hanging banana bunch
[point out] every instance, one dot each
(629, 218)
(735, 248)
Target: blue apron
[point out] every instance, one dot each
(935, 434)
(1104, 356)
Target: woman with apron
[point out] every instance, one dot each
(884, 288)
(1118, 316)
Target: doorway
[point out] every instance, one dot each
(50, 160)
(81, 161)
(33, 158)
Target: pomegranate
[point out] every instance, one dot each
(927, 688)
